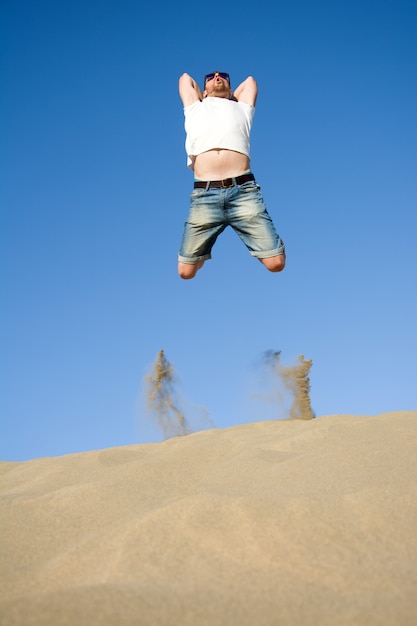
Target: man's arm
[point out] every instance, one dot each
(247, 91)
(189, 90)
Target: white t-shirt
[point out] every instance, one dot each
(217, 123)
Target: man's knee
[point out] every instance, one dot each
(188, 270)
(274, 263)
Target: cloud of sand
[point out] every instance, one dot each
(174, 415)
(167, 406)
(294, 379)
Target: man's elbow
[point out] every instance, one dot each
(184, 78)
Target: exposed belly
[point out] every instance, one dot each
(218, 164)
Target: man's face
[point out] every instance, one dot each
(217, 86)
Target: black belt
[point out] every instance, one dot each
(223, 184)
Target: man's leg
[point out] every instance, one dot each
(274, 263)
(252, 222)
(189, 270)
(204, 224)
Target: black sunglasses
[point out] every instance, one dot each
(210, 76)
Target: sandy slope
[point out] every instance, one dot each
(274, 523)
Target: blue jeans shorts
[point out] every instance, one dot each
(242, 207)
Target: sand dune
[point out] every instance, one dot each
(267, 524)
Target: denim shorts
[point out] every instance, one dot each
(242, 207)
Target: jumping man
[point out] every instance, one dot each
(218, 124)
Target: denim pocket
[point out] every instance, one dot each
(250, 185)
(196, 193)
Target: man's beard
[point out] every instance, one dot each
(220, 91)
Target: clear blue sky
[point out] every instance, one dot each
(95, 190)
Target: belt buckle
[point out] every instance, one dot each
(227, 186)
